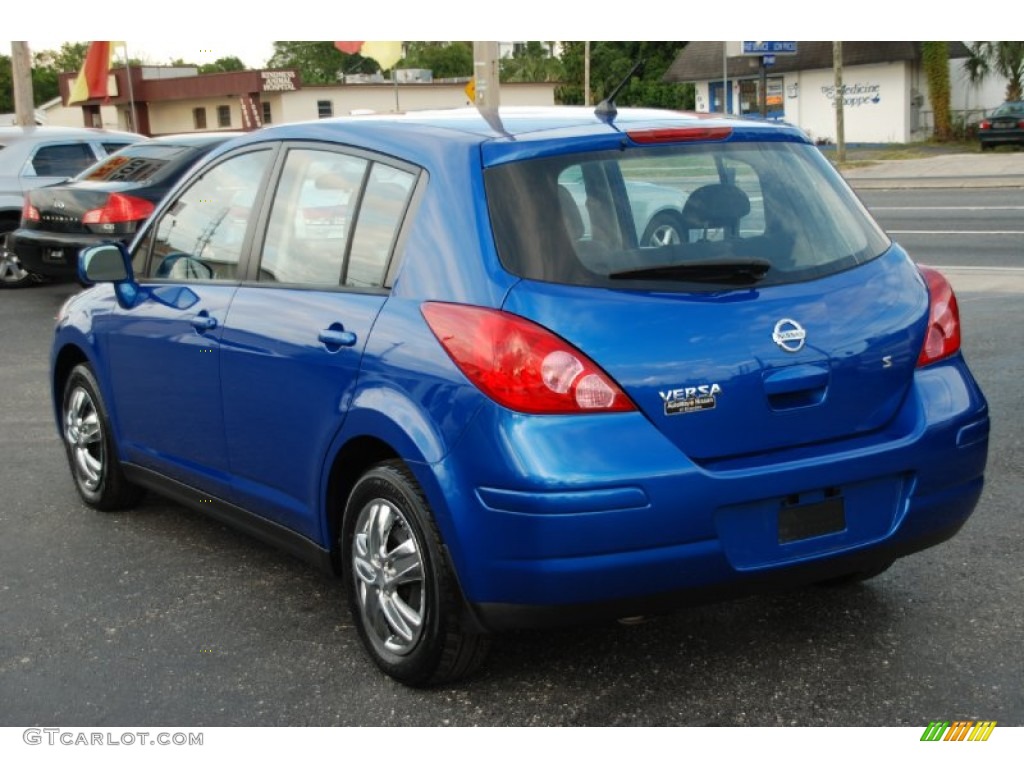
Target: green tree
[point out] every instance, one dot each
(224, 64)
(533, 63)
(70, 56)
(610, 62)
(935, 57)
(1003, 59)
(6, 85)
(443, 59)
(318, 63)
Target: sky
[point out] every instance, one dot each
(202, 31)
(253, 52)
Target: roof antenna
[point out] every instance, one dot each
(606, 109)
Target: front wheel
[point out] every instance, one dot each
(401, 590)
(89, 442)
(11, 273)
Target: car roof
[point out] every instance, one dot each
(509, 133)
(17, 133)
(190, 139)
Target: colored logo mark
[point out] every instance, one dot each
(959, 730)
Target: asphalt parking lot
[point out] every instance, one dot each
(161, 616)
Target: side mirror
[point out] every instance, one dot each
(104, 264)
(110, 263)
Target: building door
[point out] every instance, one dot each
(715, 96)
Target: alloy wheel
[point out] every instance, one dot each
(84, 435)
(390, 586)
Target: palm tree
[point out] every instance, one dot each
(1003, 59)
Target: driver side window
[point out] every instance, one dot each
(200, 236)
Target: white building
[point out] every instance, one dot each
(885, 90)
(162, 100)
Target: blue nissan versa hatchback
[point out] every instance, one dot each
(432, 351)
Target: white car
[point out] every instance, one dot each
(37, 156)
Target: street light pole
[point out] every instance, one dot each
(837, 65)
(21, 73)
(586, 73)
(485, 74)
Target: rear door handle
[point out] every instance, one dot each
(337, 337)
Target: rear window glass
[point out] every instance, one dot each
(138, 164)
(625, 219)
(1010, 108)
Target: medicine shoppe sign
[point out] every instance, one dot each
(854, 94)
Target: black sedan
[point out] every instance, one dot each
(105, 202)
(1004, 126)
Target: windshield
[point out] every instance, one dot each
(1010, 108)
(773, 212)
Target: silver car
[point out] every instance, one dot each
(35, 157)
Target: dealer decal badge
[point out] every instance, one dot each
(703, 397)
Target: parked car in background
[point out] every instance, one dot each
(38, 156)
(1004, 126)
(107, 201)
(386, 344)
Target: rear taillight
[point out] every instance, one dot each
(985, 125)
(29, 212)
(521, 365)
(942, 337)
(118, 209)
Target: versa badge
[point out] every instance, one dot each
(689, 399)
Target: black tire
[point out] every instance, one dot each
(985, 147)
(401, 590)
(89, 444)
(849, 579)
(11, 273)
(665, 228)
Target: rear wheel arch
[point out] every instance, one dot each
(356, 456)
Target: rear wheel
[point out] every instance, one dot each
(92, 455)
(401, 590)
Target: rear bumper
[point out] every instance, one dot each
(559, 520)
(52, 254)
(1014, 136)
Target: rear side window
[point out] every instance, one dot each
(334, 221)
(381, 211)
(62, 160)
(311, 217)
(594, 218)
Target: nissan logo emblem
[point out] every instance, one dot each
(789, 335)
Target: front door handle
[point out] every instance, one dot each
(203, 322)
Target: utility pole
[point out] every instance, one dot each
(837, 66)
(21, 72)
(586, 73)
(485, 74)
